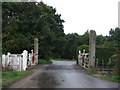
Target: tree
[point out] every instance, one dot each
(72, 41)
(114, 35)
(100, 39)
(22, 22)
(85, 38)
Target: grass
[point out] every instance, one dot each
(12, 76)
(112, 78)
(60, 59)
(42, 61)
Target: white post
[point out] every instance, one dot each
(29, 59)
(79, 57)
(85, 60)
(8, 59)
(20, 64)
(24, 60)
(3, 60)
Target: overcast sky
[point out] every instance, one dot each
(83, 15)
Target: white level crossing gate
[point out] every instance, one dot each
(83, 59)
(19, 62)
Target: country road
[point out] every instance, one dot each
(61, 74)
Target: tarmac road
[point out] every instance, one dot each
(61, 74)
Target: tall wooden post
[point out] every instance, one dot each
(36, 50)
(92, 50)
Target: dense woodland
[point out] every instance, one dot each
(22, 22)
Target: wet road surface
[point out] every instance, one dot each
(61, 74)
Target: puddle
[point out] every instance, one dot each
(45, 80)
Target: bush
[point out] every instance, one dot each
(82, 47)
(42, 61)
(104, 53)
(115, 64)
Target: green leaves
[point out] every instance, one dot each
(114, 35)
(23, 21)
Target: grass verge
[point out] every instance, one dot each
(42, 61)
(60, 59)
(112, 78)
(12, 76)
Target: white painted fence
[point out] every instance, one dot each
(19, 62)
(83, 59)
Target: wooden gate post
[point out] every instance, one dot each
(36, 50)
(92, 50)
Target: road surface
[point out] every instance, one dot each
(61, 74)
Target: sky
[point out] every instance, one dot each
(83, 15)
